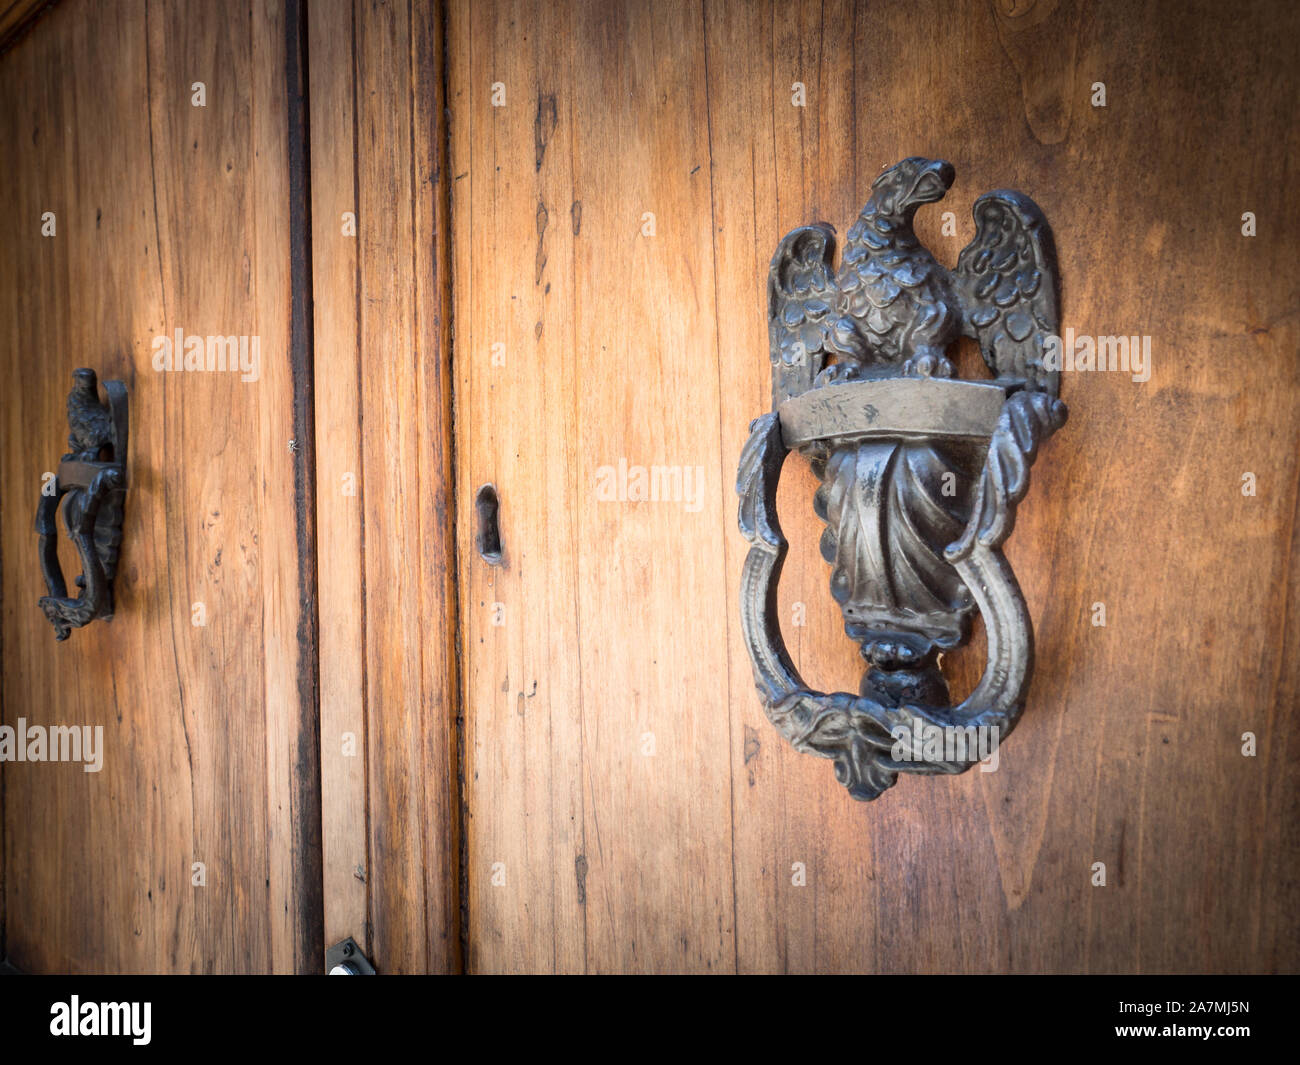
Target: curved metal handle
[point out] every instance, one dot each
(920, 475)
(91, 487)
(862, 733)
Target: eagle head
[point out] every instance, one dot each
(901, 189)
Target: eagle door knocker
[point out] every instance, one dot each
(920, 472)
(91, 485)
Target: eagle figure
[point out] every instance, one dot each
(892, 308)
(90, 423)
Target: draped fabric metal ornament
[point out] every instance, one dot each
(920, 473)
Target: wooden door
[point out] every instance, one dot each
(521, 248)
(153, 181)
(622, 175)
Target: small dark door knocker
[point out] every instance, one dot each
(91, 485)
(920, 473)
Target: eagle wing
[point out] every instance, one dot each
(805, 309)
(1009, 289)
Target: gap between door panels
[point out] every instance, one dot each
(307, 774)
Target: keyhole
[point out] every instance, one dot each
(488, 537)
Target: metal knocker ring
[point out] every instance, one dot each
(920, 473)
(91, 486)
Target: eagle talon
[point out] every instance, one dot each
(928, 366)
(845, 370)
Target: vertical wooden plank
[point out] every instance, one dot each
(651, 633)
(582, 853)
(170, 216)
(391, 807)
(340, 545)
(515, 409)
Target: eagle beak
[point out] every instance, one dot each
(932, 182)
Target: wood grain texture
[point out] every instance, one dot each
(391, 810)
(168, 216)
(17, 17)
(609, 621)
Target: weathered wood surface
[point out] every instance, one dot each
(626, 805)
(383, 425)
(168, 215)
(610, 622)
(18, 17)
